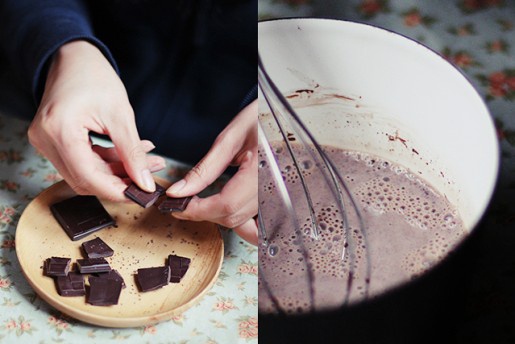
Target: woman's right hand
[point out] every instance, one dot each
(83, 93)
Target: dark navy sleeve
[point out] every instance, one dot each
(32, 30)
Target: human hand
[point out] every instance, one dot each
(237, 203)
(84, 94)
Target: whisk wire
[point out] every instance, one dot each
(282, 111)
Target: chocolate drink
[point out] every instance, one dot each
(408, 228)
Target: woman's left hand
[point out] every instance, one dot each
(237, 203)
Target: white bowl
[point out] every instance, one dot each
(405, 103)
(392, 97)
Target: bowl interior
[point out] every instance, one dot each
(389, 96)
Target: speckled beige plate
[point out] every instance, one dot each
(142, 238)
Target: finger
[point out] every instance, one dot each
(110, 154)
(155, 164)
(131, 153)
(87, 170)
(248, 231)
(235, 204)
(209, 168)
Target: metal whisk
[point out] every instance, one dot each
(292, 130)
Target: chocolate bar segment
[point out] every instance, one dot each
(81, 215)
(71, 285)
(178, 267)
(103, 292)
(56, 266)
(153, 278)
(113, 275)
(143, 198)
(92, 265)
(174, 204)
(97, 248)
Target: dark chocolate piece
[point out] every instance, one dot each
(57, 266)
(81, 215)
(178, 267)
(113, 275)
(92, 265)
(103, 291)
(97, 248)
(143, 198)
(174, 204)
(153, 278)
(71, 285)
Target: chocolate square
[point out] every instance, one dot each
(71, 285)
(113, 275)
(103, 292)
(143, 198)
(97, 248)
(56, 266)
(153, 278)
(174, 204)
(81, 215)
(178, 267)
(92, 265)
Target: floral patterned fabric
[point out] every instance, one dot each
(478, 36)
(227, 314)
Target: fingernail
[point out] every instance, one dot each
(178, 186)
(148, 181)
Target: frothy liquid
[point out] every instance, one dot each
(408, 228)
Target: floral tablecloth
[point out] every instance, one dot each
(227, 314)
(478, 36)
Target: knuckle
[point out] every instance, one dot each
(199, 171)
(232, 221)
(136, 153)
(229, 208)
(80, 186)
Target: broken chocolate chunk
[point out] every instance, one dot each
(113, 275)
(71, 284)
(97, 248)
(103, 292)
(174, 204)
(81, 215)
(178, 267)
(143, 198)
(92, 265)
(56, 266)
(153, 278)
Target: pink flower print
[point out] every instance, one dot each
(412, 19)
(244, 268)
(150, 329)
(248, 327)
(497, 78)
(369, 8)
(511, 83)
(5, 283)
(253, 321)
(52, 177)
(224, 305)
(254, 270)
(8, 244)
(462, 60)
(25, 326)
(11, 324)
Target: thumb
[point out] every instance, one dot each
(133, 155)
(206, 171)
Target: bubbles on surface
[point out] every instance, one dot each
(407, 231)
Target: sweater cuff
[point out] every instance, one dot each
(249, 97)
(46, 54)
